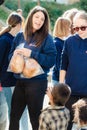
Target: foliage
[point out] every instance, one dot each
(83, 4)
(3, 13)
(13, 5)
(54, 9)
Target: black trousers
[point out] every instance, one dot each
(30, 93)
(69, 104)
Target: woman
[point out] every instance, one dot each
(74, 61)
(7, 79)
(61, 31)
(38, 44)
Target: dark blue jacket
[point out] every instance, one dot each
(6, 78)
(59, 46)
(45, 54)
(74, 62)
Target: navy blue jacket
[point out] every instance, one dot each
(45, 54)
(59, 46)
(74, 62)
(6, 78)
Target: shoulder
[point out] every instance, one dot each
(19, 37)
(49, 37)
(72, 38)
(4, 40)
(58, 42)
(20, 34)
(46, 110)
(67, 111)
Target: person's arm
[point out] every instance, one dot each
(47, 57)
(15, 43)
(4, 46)
(64, 63)
(62, 76)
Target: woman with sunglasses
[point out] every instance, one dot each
(74, 61)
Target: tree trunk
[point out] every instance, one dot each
(38, 2)
(19, 4)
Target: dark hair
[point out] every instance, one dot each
(61, 93)
(1, 2)
(12, 20)
(42, 32)
(83, 114)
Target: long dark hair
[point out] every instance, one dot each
(40, 34)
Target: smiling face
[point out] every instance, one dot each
(38, 20)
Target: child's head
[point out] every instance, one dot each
(59, 94)
(62, 27)
(80, 111)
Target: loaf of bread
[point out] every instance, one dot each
(31, 68)
(17, 63)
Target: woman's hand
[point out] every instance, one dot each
(23, 51)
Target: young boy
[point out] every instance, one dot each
(56, 116)
(80, 114)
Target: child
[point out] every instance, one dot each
(56, 116)
(80, 113)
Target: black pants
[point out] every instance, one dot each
(30, 93)
(69, 104)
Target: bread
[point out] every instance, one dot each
(17, 63)
(31, 68)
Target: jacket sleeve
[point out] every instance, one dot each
(47, 56)
(3, 48)
(14, 45)
(64, 57)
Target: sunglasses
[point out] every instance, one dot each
(82, 28)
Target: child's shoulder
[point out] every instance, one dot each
(50, 108)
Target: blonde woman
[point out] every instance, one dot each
(61, 31)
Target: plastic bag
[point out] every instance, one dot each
(31, 68)
(16, 64)
(26, 67)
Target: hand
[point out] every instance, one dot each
(23, 51)
(48, 92)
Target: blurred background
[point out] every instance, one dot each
(55, 8)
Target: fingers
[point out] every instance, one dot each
(24, 51)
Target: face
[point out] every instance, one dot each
(38, 20)
(80, 27)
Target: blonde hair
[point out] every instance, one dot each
(81, 14)
(12, 20)
(80, 111)
(61, 27)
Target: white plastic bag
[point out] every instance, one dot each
(31, 68)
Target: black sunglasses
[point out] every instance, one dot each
(82, 28)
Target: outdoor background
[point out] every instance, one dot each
(54, 8)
